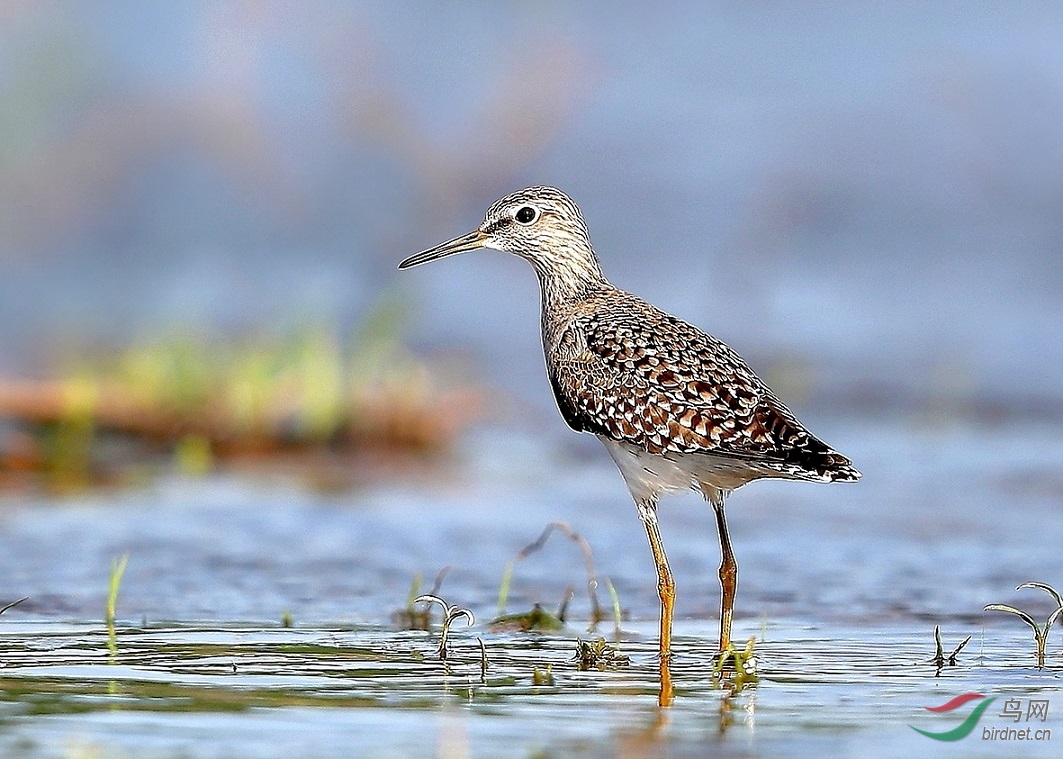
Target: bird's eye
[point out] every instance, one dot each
(527, 214)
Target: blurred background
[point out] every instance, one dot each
(872, 194)
(202, 206)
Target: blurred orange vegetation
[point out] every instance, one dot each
(308, 404)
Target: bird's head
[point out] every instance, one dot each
(540, 224)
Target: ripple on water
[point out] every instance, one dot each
(63, 683)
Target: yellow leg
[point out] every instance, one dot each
(666, 589)
(728, 578)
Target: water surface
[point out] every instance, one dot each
(842, 586)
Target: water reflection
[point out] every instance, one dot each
(854, 689)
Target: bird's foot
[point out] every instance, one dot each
(736, 666)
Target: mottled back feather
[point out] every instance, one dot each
(623, 368)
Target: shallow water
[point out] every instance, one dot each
(842, 586)
(214, 690)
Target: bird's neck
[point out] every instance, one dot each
(565, 279)
(564, 294)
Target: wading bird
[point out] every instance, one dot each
(675, 408)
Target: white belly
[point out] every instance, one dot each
(649, 475)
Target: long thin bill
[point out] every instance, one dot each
(471, 241)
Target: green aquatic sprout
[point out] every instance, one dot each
(543, 676)
(503, 589)
(483, 660)
(616, 608)
(1040, 634)
(537, 619)
(588, 562)
(12, 604)
(411, 618)
(1046, 588)
(451, 612)
(599, 655)
(940, 659)
(114, 583)
(562, 608)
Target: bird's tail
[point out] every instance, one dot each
(837, 468)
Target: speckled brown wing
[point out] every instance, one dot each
(624, 369)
